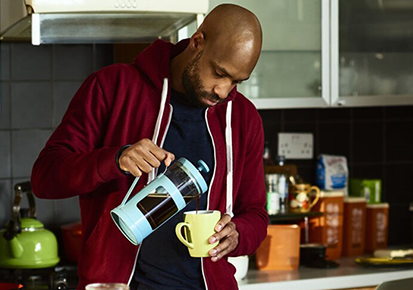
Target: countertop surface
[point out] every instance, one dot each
(347, 275)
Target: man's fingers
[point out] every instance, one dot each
(225, 246)
(226, 231)
(222, 222)
(143, 156)
(130, 167)
(169, 158)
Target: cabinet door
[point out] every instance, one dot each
(372, 52)
(293, 70)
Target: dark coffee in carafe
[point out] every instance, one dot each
(157, 208)
(159, 200)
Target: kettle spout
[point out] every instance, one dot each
(16, 248)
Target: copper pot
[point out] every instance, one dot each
(72, 240)
(10, 286)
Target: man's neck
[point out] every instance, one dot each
(176, 68)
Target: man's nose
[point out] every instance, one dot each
(223, 89)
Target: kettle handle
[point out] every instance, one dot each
(14, 226)
(19, 189)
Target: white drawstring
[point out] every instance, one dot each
(228, 141)
(164, 94)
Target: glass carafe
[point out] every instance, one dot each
(161, 199)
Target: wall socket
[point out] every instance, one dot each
(296, 145)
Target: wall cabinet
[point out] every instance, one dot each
(372, 52)
(321, 53)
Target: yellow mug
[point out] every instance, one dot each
(107, 286)
(198, 228)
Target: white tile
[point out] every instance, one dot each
(26, 147)
(30, 62)
(4, 105)
(4, 61)
(5, 168)
(66, 210)
(31, 105)
(72, 62)
(5, 201)
(103, 55)
(63, 93)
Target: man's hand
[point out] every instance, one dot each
(227, 235)
(143, 156)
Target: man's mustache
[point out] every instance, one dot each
(213, 97)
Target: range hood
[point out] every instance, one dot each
(100, 21)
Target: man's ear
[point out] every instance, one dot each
(197, 41)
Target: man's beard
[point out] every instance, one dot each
(191, 82)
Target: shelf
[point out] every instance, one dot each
(292, 216)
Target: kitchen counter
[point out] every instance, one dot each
(347, 275)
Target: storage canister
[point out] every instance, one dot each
(281, 248)
(354, 226)
(377, 226)
(328, 228)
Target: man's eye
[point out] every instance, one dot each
(218, 74)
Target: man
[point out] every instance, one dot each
(126, 120)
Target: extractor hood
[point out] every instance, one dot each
(100, 21)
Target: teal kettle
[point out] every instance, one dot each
(24, 242)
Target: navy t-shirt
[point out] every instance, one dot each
(163, 261)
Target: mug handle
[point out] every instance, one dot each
(317, 190)
(178, 232)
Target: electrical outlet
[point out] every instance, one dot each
(295, 145)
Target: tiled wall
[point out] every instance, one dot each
(38, 82)
(378, 143)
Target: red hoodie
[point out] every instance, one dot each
(120, 105)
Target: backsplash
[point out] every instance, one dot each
(378, 144)
(37, 84)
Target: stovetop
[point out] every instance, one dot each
(61, 277)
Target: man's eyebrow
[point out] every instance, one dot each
(225, 72)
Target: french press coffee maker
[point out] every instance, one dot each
(160, 200)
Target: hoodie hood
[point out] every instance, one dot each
(156, 68)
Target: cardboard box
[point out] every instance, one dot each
(370, 189)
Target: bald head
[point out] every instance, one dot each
(234, 31)
(220, 54)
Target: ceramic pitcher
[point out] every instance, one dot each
(301, 197)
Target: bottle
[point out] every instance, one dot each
(273, 198)
(267, 156)
(282, 185)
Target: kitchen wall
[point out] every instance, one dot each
(37, 84)
(378, 143)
